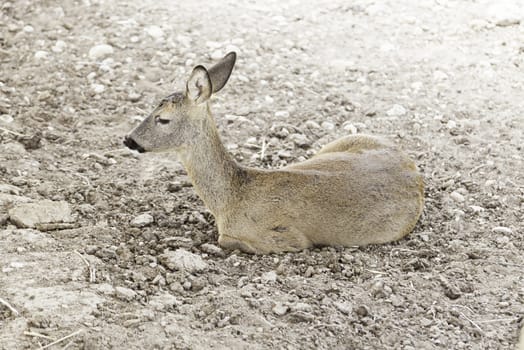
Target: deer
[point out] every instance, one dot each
(355, 191)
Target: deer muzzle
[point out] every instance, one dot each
(131, 144)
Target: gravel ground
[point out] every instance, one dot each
(114, 250)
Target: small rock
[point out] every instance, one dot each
(199, 283)
(40, 54)
(29, 215)
(183, 260)
(300, 140)
(155, 32)
(352, 129)
(344, 307)
(284, 154)
(502, 229)
(59, 46)
(6, 118)
(143, 220)
(396, 111)
(451, 124)
(125, 293)
(362, 311)
(97, 88)
(281, 114)
(280, 309)
(164, 301)
(99, 51)
(211, 249)
(457, 197)
(328, 126)
(312, 124)
(476, 208)
(268, 277)
(309, 271)
(134, 97)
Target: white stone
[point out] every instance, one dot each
(164, 301)
(344, 307)
(502, 229)
(352, 129)
(99, 51)
(28, 29)
(451, 124)
(280, 309)
(29, 215)
(328, 126)
(41, 54)
(143, 220)
(154, 32)
(6, 118)
(396, 111)
(125, 293)
(97, 88)
(281, 114)
(457, 197)
(476, 208)
(183, 260)
(270, 276)
(59, 46)
(312, 124)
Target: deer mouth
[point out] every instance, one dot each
(131, 144)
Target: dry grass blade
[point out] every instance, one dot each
(12, 309)
(61, 339)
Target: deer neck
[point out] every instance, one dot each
(212, 170)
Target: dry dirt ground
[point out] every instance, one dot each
(137, 264)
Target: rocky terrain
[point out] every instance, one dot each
(102, 248)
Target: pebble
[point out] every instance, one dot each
(211, 249)
(396, 111)
(143, 220)
(154, 32)
(183, 260)
(476, 208)
(59, 46)
(328, 126)
(125, 293)
(40, 54)
(269, 277)
(163, 301)
(281, 114)
(312, 124)
(362, 310)
(344, 307)
(451, 124)
(502, 229)
(6, 118)
(97, 88)
(29, 215)
(352, 129)
(280, 309)
(300, 140)
(99, 51)
(457, 197)
(134, 97)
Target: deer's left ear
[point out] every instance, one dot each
(198, 87)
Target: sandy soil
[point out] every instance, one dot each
(443, 79)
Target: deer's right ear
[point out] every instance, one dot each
(198, 87)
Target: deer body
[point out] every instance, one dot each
(357, 190)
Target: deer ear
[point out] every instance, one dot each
(220, 72)
(199, 86)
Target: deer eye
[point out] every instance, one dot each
(159, 120)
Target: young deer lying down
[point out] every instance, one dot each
(357, 190)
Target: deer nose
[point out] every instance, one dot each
(131, 144)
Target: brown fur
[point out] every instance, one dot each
(357, 190)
